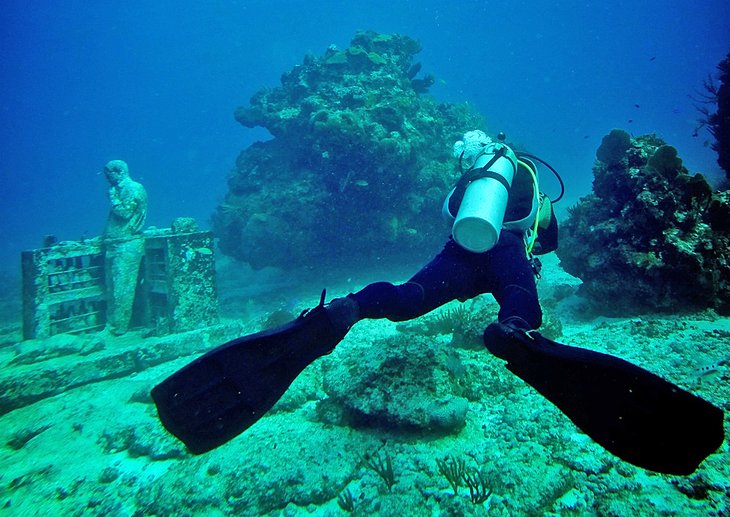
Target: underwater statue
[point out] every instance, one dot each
(123, 243)
(128, 200)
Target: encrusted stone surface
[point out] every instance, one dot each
(358, 166)
(651, 236)
(45, 368)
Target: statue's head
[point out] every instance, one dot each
(115, 171)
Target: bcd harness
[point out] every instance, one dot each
(542, 236)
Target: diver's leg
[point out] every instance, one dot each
(450, 275)
(385, 300)
(513, 283)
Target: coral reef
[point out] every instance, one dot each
(95, 445)
(407, 384)
(44, 368)
(613, 146)
(718, 122)
(358, 165)
(651, 236)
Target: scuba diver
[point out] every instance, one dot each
(495, 210)
(500, 221)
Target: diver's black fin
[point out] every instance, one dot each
(225, 391)
(634, 414)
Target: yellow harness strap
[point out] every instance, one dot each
(533, 234)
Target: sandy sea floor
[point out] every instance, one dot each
(79, 433)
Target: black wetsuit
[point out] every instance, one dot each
(458, 274)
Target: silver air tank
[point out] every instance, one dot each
(481, 214)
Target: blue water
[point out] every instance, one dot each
(155, 84)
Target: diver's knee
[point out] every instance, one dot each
(523, 303)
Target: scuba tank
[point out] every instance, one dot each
(479, 200)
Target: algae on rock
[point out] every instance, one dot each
(358, 165)
(651, 236)
(406, 384)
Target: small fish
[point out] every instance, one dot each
(360, 183)
(636, 106)
(630, 120)
(652, 58)
(710, 371)
(708, 376)
(204, 251)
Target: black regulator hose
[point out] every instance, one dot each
(546, 164)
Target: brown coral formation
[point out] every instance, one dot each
(651, 236)
(718, 122)
(358, 165)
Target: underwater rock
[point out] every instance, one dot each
(60, 345)
(260, 473)
(356, 141)
(666, 162)
(405, 383)
(24, 383)
(24, 435)
(147, 440)
(613, 146)
(651, 237)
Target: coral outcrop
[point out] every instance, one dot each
(358, 165)
(719, 122)
(410, 384)
(614, 146)
(651, 236)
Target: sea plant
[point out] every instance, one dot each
(475, 480)
(449, 320)
(453, 470)
(382, 466)
(717, 120)
(346, 501)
